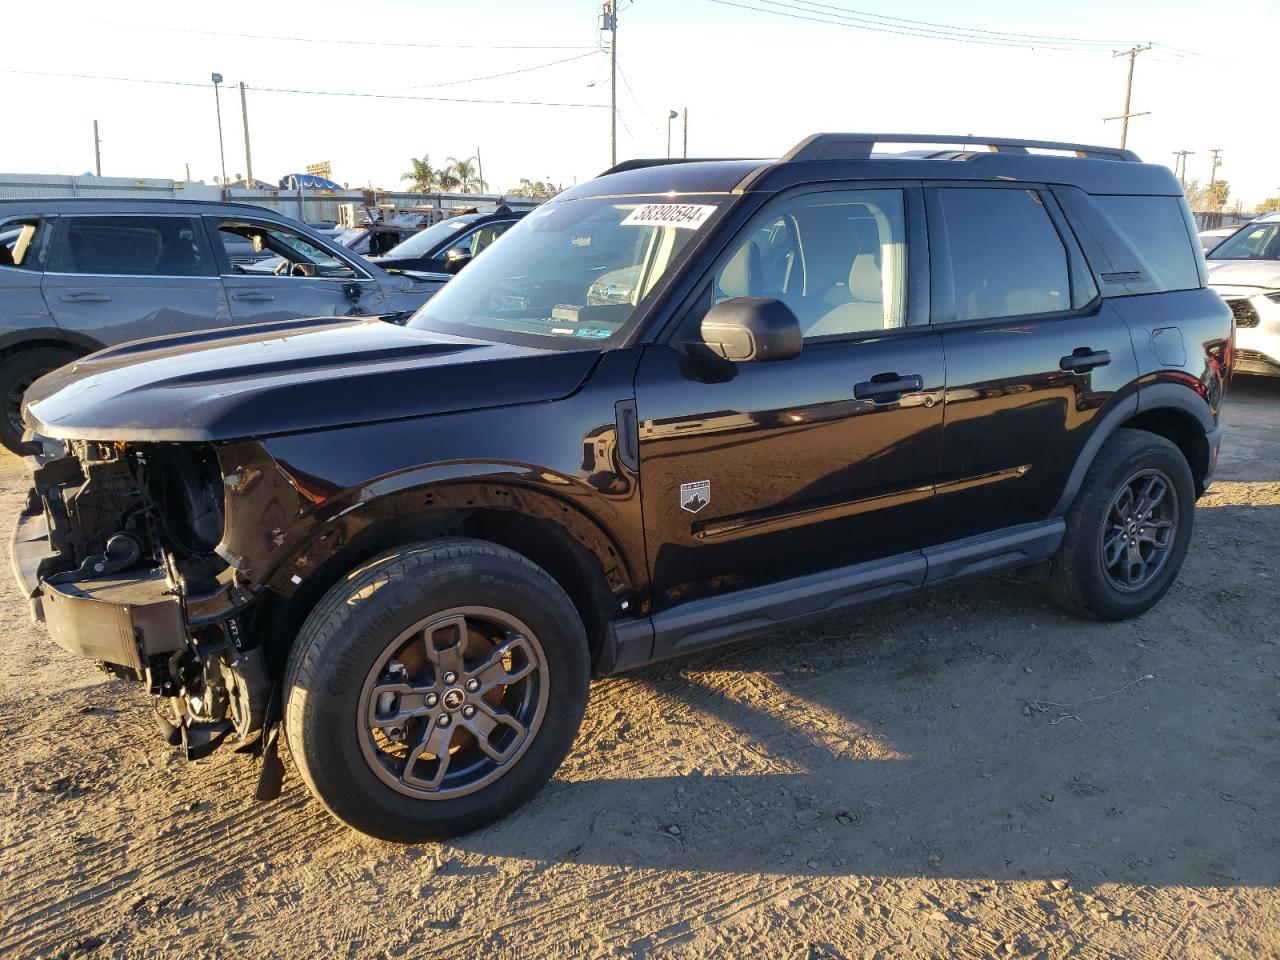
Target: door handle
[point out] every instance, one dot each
(253, 297)
(884, 387)
(1082, 359)
(85, 298)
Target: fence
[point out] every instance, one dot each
(310, 206)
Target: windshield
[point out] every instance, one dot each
(570, 271)
(1257, 241)
(420, 244)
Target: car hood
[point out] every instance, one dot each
(270, 378)
(1244, 273)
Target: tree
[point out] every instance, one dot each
(1269, 205)
(1202, 199)
(425, 177)
(535, 188)
(463, 175)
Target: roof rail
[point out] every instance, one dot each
(858, 146)
(641, 162)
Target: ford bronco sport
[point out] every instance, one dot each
(681, 403)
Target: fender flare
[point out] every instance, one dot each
(1154, 396)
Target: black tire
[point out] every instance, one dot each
(17, 372)
(346, 639)
(1080, 581)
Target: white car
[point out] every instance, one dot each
(1245, 270)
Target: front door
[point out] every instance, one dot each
(753, 473)
(1032, 355)
(302, 279)
(124, 277)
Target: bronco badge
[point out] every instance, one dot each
(694, 496)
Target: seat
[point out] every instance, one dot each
(865, 311)
(741, 276)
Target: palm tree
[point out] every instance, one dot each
(465, 174)
(425, 178)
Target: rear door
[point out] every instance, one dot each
(1032, 354)
(124, 277)
(22, 306)
(303, 276)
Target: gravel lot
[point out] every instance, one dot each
(884, 784)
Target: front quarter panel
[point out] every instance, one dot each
(293, 502)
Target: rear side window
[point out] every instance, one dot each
(1158, 230)
(19, 243)
(1007, 259)
(132, 246)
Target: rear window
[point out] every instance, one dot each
(1158, 231)
(132, 246)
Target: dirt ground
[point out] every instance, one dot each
(899, 782)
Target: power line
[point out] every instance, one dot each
(343, 42)
(953, 27)
(854, 24)
(494, 76)
(317, 93)
(833, 15)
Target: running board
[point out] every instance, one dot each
(744, 613)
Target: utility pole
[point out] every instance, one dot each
(1132, 54)
(609, 21)
(1213, 175)
(671, 115)
(248, 157)
(480, 171)
(1180, 165)
(686, 133)
(97, 150)
(222, 156)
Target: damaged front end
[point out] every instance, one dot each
(116, 550)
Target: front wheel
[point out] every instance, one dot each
(435, 689)
(1128, 530)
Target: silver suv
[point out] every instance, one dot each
(1245, 270)
(79, 275)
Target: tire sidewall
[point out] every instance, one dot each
(329, 734)
(33, 359)
(1103, 598)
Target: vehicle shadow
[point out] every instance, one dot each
(925, 738)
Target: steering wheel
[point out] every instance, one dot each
(282, 268)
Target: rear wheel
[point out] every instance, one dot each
(435, 689)
(17, 372)
(1128, 531)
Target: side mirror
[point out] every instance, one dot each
(455, 258)
(752, 328)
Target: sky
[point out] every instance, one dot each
(755, 81)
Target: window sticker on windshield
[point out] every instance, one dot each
(687, 216)
(593, 333)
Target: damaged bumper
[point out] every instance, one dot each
(119, 620)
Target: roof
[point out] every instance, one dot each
(854, 156)
(150, 204)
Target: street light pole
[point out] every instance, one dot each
(609, 21)
(671, 115)
(222, 156)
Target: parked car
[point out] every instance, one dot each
(1245, 270)
(78, 275)
(1211, 238)
(679, 404)
(446, 247)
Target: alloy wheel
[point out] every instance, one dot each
(1138, 530)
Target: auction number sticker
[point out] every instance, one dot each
(687, 216)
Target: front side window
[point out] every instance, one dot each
(1007, 259)
(294, 255)
(571, 272)
(477, 241)
(838, 260)
(1257, 241)
(19, 243)
(132, 246)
